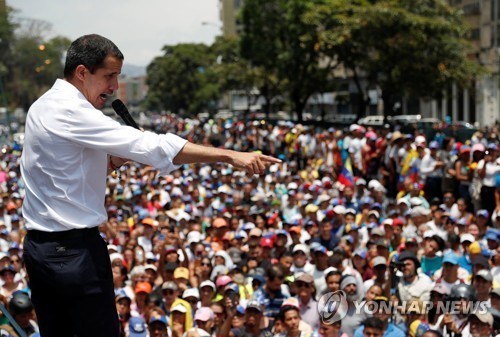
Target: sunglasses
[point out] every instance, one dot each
(168, 292)
(205, 264)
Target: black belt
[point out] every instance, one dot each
(64, 235)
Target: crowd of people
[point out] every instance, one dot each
(389, 218)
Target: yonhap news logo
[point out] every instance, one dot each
(332, 307)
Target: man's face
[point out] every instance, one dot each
(481, 285)
(450, 269)
(333, 282)
(372, 332)
(252, 317)
(478, 328)
(350, 289)
(292, 320)
(97, 87)
(300, 258)
(408, 268)
(157, 329)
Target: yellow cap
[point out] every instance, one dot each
(474, 248)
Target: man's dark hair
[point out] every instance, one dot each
(333, 272)
(275, 272)
(285, 309)
(374, 323)
(89, 50)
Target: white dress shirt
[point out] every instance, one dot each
(64, 160)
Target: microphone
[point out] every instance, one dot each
(122, 111)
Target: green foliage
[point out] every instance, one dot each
(413, 47)
(278, 38)
(35, 68)
(175, 79)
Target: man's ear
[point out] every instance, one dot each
(81, 72)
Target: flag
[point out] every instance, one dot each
(345, 177)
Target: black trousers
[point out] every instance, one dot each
(71, 283)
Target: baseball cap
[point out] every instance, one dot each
(170, 249)
(143, 287)
(253, 304)
(483, 213)
(180, 308)
(208, 283)
(191, 292)
(305, 277)
(121, 294)
(169, 285)
(193, 237)
(181, 272)
(466, 237)
(265, 242)
(151, 266)
(485, 317)
(158, 318)
(232, 287)
(360, 252)
(450, 258)
(204, 314)
(379, 261)
(485, 274)
(440, 288)
(481, 260)
(256, 232)
(383, 243)
(434, 145)
(301, 248)
(137, 327)
(223, 280)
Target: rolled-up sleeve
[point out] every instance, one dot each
(171, 145)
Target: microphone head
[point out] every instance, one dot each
(119, 107)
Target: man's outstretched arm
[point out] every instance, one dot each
(251, 162)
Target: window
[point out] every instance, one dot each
(472, 9)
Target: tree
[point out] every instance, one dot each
(408, 48)
(178, 80)
(277, 38)
(35, 67)
(232, 72)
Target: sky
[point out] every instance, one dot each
(140, 28)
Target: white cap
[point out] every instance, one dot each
(292, 186)
(377, 214)
(416, 201)
(419, 210)
(208, 283)
(193, 237)
(113, 247)
(339, 209)
(301, 247)
(387, 222)
(403, 201)
(323, 198)
(179, 307)
(420, 139)
(467, 237)
(150, 266)
(112, 257)
(191, 292)
(353, 127)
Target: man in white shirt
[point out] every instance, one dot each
(70, 147)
